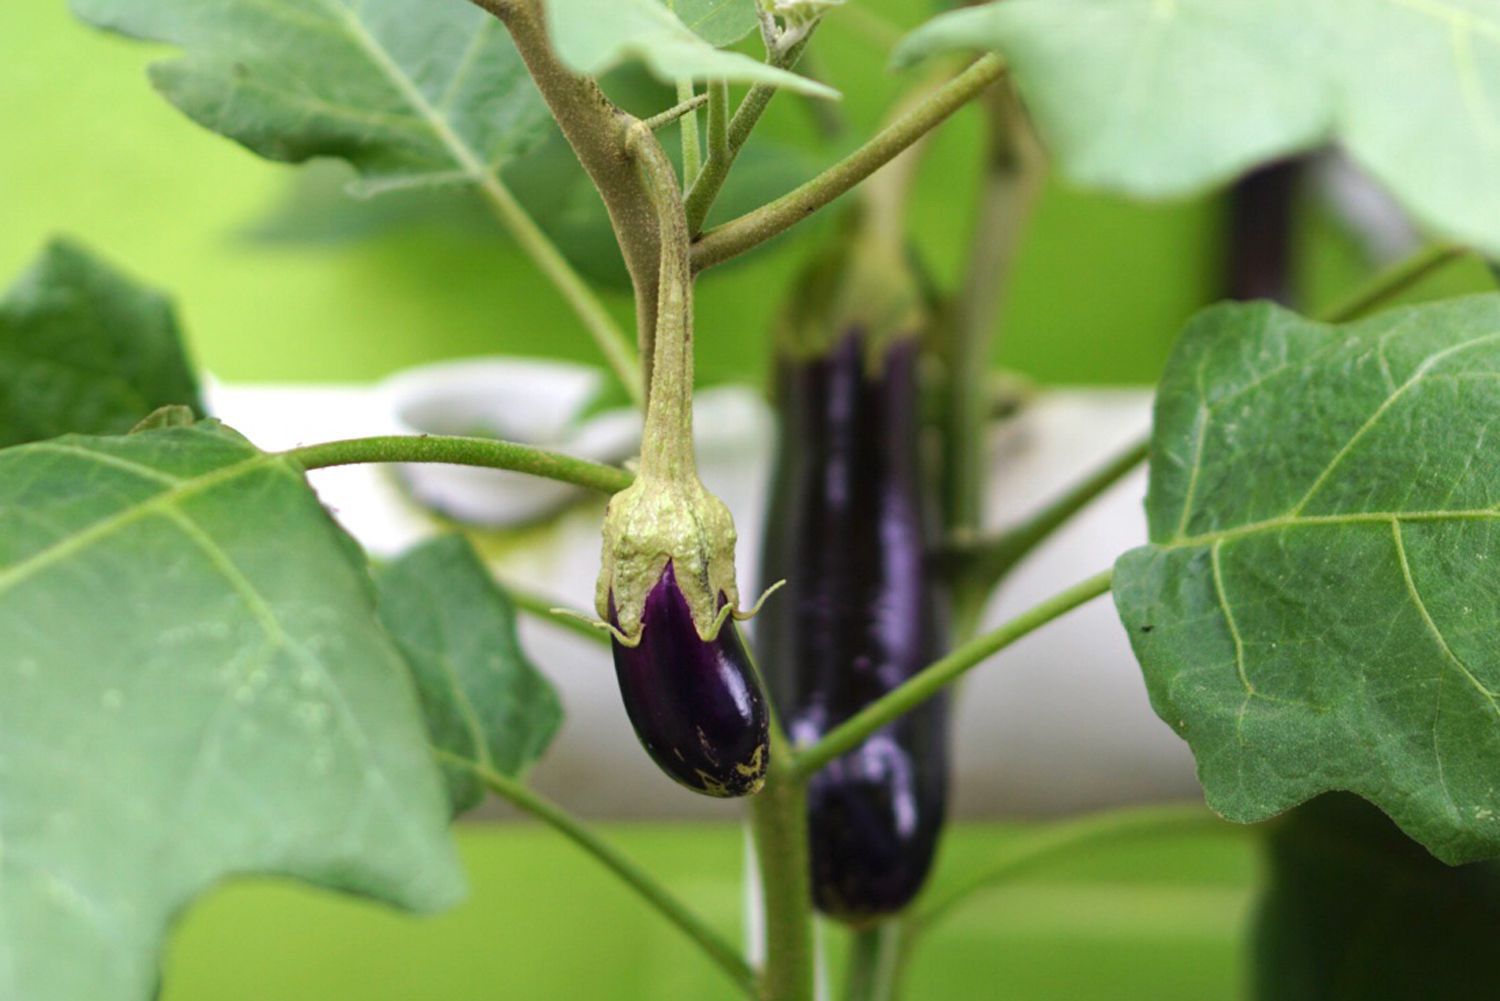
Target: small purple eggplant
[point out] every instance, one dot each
(696, 705)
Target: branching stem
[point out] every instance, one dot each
(462, 451)
(653, 892)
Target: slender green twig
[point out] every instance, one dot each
(544, 608)
(937, 676)
(710, 180)
(692, 145)
(463, 452)
(601, 326)
(1391, 282)
(711, 942)
(683, 108)
(752, 229)
(986, 563)
(1056, 840)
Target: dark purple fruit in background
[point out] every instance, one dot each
(696, 707)
(860, 614)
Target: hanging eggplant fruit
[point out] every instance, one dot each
(849, 530)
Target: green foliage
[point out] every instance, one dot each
(1354, 911)
(717, 22)
(85, 348)
(1157, 98)
(409, 93)
(1316, 609)
(484, 701)
(195, 686)
(593, 37)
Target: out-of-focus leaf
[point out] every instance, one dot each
(1163, 97)
(193, 685)
(409, 91)
(1317, 607)
(483, 699)
(593, 37)
(1355, 911)
(84, 348)
(717, 22)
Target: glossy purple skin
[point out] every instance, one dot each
(696, 707)
(848, 530)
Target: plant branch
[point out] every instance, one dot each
(750, 230)
(937, 676)
(1009, 183)
(692, 146)
(460, 451)
(542, 607)
(710, 180)
(1056, 840)
(1391, 282)
(686, 106)
(596, 130)
(659, 897)
(612, 342)
(987, 562)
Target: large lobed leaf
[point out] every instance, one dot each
(593, 37)
(1318, 606)
(409, 91)
(193, 685)
(1161, 97)
(84, 348)
(485, 702)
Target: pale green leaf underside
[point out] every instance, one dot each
(485, 703)
(593, 37)
(193, 685)
(1319, 604)
(717, 22)
(1162, 97)
(408, 91)
(84, 348)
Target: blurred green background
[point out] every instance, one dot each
(276, 283)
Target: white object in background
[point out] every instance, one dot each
(520, 400)
(1057, 723)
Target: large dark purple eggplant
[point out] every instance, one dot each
(848, 530)
(696, 706)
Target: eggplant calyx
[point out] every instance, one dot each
(656, 521)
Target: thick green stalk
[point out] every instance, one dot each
(462, 451)
(659, 897)
(754, 228)
(778, 821)
(939, 675)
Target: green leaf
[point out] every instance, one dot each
(717, 22)
(408, 91)
(84, 348)
(1353, 911)
(1317, 608)
(484, 701)
(194, 686)
(593, 37)
(1163, 97)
